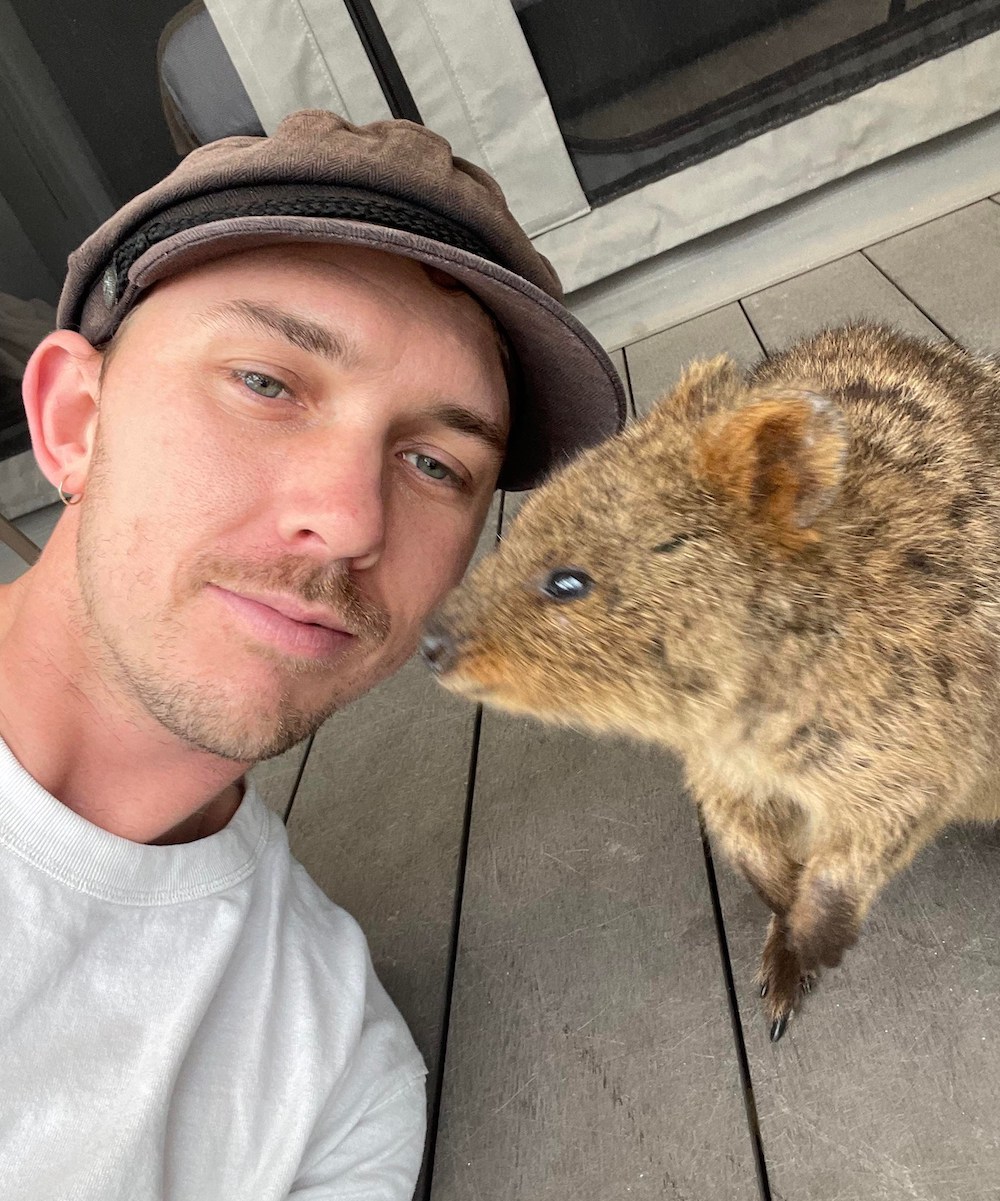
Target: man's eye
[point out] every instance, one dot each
(262, 385)
(432, 468)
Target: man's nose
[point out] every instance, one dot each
(341, 507)
(438, 647)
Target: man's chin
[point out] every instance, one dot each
(240, 737)
(246, 712)
(257, 715)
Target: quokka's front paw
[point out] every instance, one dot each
(782, 979)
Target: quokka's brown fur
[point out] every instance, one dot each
(795, 586)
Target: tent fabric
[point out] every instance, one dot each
(939, 96)
(475, 82)
(203, 96)
(293, 54)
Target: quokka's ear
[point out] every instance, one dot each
(704, 387)
(780, 458)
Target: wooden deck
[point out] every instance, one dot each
(543, 910)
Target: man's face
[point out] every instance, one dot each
(292, 436)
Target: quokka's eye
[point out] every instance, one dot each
(567, 584)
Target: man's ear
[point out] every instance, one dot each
(61, 390)
(779, 459)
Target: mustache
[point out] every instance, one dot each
(331, 588)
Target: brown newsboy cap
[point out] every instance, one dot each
(393, 186)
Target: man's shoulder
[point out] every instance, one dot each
(307, 913)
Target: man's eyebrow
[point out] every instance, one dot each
(300, 331)
(468, 422)
(318, 339)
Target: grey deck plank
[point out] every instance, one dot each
(950, 268)
(378, 823)
(37, 526)
(842, 291)
(275, 778)
(590, 1049)
(655, 364)
(590, 1053)
(11, 565)
(887, 1085)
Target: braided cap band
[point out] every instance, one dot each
(352, 204)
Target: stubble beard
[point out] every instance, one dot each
(197, 711)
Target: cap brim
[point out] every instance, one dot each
(571, 390)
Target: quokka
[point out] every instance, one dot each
(790, 578)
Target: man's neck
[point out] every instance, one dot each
(101, 755)
(210, 819)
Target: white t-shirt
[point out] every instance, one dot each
(189, 1023)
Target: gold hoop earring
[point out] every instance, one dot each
(69, 500)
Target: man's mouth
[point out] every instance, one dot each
(286, 623)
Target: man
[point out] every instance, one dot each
(286, 382)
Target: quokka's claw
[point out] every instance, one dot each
(779, 1026)
(763, 989)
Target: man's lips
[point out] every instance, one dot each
(286, 624)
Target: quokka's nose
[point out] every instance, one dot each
(438, 648)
